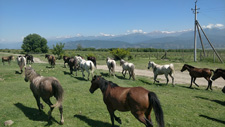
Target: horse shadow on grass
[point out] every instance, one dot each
(213, 119)
(188, 87)
(121, 77)
(93, 123)
(217, 101)
(34, 114)
(104, 74)
(17, 72)
(145, 82)
(66, 73)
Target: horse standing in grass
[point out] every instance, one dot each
(162, 69)
(86, 65)
(45, 87)
(30, 58)
(219, 73)
(51, 60)
(127, 67)
(21, 61)
(93, 59)
(66, 60)
(197, 73)
(7, 58)
(72, 64)
(135, 99)
(111, 64)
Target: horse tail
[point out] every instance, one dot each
(58, 93)
(132, 72)
(172, 69)
(91, 67)
(154, 102)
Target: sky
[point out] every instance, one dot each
(68, 18)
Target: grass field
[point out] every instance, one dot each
(183, 107)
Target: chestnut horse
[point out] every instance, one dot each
(66, 60)
(197, 73)
(7, 58)
(135, 99)
(219, 73)
(45, 87)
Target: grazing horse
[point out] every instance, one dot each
(135, 99)
(198, 72)
(93, 59)
(7, 58)
(162, 69)
(219, 73)
(51, 60)
(30, 58)
(21, 61)
(127, 67)
(85, 65)
(66, 60)
(45, 87)
(111, 64)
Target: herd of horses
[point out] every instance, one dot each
(138, 100)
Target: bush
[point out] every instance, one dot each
(119, 54)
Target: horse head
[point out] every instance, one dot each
(122, 62)
(217, 74)
(184, 68)
(28, 71)
(150, 64)
(95, 83)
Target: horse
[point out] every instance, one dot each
(135, 99)
(72, 65)
(85, 65)
(219, 73)
(30, 58)
(127, 67)
(21, 61)
(111, 64)
(66, 60)
(45, 88)
(198, 72)
(7, 58)
(162, 69)
(93, 59)
(51, 60)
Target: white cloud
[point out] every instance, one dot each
(2, 40)
(210, 26)
(107, 35)
(136, 31)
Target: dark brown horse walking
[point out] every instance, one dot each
(51, 60)
(135, 99)
(93, 59)
(197, 73)
(7, 58)
(45, 87)
(66, 60)
(219, 73)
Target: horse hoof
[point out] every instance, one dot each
(61, 122)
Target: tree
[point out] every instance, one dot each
(119, 53)
(35, 43)
(58, 50)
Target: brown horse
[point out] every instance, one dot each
(45, 87)
(197, 73)
(7, 58)
(66, 60)
(51, 60)
(219, 73)
(72, 64)
(93, 59)
(135, 99)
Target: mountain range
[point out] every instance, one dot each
(156, 39)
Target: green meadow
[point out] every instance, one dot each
(183, 107)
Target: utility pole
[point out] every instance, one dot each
(195, 34)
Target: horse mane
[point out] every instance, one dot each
(104, 84)
(189, 66)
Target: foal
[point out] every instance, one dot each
(135, 99)
(197, 73)
(45, 87)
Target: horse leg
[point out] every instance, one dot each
(129, 74)
(148, 116)
(141, 117)
(191, 82)
(167, 80)
(117, 119)
(194, 82)
(111, 116)
(47, 101)
(39, 104)
(61, 114)
(171, 75)
(88, 74)
(209, 83)
(155, 76)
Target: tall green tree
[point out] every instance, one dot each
(119, 54)
(58, 49)
(35, 43)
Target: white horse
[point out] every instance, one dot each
(127, 67)
(111, 66)
(21, 61)
(86, 65)
(162, 69)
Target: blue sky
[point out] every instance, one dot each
(66, 18)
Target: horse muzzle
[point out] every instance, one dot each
(26, 80)
(91, 91)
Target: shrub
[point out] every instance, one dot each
(119, 53)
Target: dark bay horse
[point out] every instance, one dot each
(51, 60)
(30, 58)
(135, 99)
(66, 60)
(197, 73)
(7, 58)
(72, 64)
(93, 59)
(45, 87)
(219, 73)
